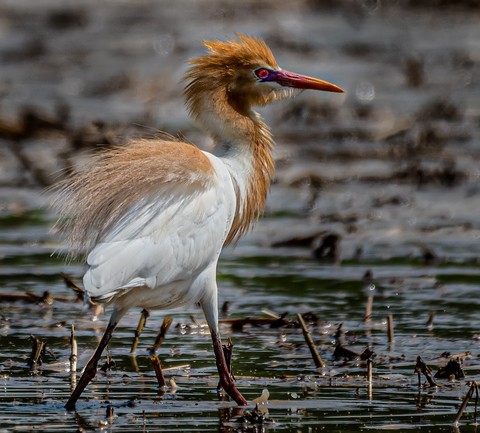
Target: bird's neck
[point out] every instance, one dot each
(244, 143)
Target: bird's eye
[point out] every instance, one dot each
(262, 73)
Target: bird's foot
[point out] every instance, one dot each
(229, 386)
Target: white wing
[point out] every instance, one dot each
(168, 237)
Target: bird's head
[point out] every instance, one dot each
(248, 71)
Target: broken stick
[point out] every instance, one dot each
(421, 367)
(368, 309)
(138, 331)
(158, 371)
(167, 321)
(391, 337)
(38, 350)
(319, 363)
(463, 406)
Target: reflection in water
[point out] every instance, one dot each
(264, 356)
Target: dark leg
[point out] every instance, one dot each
(209, 306)
(226, 379)
(227, 353)
(91, 368)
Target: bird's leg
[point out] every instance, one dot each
(209, 307)
(227, 353)
(226, 378)
(91, 368)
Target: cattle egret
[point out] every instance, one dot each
(155, 214)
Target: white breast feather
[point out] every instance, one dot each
(171, 236)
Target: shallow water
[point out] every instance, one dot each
(252, 278)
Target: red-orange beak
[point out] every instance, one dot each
(297, 81)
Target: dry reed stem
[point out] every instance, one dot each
(138, 331)
(421, 367)
(38, 349)
(370, 377)
(463, 406)
(391, 337)
(369, 308)
(319, 363)
(158, 371)
(73, 351)
(167, 321)
(429, 323)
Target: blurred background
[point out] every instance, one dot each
(76, 77)
(377, 191)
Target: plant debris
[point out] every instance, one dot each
(452, 369)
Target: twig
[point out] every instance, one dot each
(369, 370)
(429, 323)
(463, 406)
(177, 367)
(138, 331)
(391, 337)
(158, 371)
(369, 308)
(109, 413)
(73, 351)
(167, 321)
(270, 313)
(421, 367)
(476, 405)
(73, 358)
(319, 363)
(38, 350)
(370, 377)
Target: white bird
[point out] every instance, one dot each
(155, 214)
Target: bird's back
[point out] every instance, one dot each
(160, 212)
